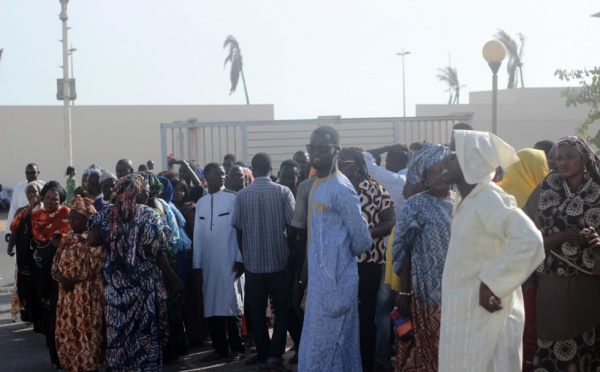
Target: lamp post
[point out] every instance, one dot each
(403, 53)
(66, 82)
(494, 52)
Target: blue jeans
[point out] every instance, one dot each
(258, 289)
(385, 305)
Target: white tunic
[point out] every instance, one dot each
(495, 242)
(215, 251)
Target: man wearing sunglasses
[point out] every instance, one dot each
(19, 199)
(337, 233)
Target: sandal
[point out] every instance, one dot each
(277, 367)
(214, 356)
(252, 360)
(236, 356)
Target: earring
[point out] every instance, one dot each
(426, 184)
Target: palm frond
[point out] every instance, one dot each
(235, 59)
(515, 55)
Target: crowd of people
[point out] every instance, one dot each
(490, 256)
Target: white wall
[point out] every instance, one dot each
(101, 135)
(525, 115)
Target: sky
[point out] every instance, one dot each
(307, 58)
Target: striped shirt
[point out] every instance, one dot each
(263, 211)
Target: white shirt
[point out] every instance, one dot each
(215, 251)
(19, 200)
(392, 182)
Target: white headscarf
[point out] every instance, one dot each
(480, 153)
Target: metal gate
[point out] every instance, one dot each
(210, 142)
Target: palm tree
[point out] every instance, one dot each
(235, 58)
(449, 75)
(514, 66)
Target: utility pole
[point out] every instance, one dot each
(66, 83)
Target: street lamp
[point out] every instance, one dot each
(494, 52)
(403, 53)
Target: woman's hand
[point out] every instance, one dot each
(56, 240)
(403, 304)
(66, 284)
(573, 236)
(593, 239)
(34, 203)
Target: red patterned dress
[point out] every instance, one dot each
(80, 326)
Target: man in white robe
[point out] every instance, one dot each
(494, 247)
(218, 264)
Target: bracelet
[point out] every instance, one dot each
(404, 294)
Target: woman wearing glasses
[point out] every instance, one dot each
(378, 210)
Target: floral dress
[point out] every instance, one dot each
(136, 311)
(80, 328)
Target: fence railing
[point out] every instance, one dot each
(208, 142)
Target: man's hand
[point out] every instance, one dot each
(178, 286)
(488, 300)
(398, 148)
(239, 269)
(198, 277)
(10, 250)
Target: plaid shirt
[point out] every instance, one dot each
(263, 211)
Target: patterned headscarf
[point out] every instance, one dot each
(53, 185)
(560, 208)
(106, 175)
(84, 206)
(167, 194)
(92, 169)
(422, 160)
(155, 188)
(592, 162)
(125, 195)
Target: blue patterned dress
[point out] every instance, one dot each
(433, 217)
(136, 312)
(337, 233)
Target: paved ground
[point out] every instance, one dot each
(24, 350)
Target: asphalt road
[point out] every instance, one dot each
(23, 350)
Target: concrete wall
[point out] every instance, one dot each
(101, 135)
(525, 115)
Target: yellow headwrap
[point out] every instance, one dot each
(523, 176)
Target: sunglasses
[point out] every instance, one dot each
(318, 148)
(342, 164)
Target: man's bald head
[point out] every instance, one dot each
(124, 167)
